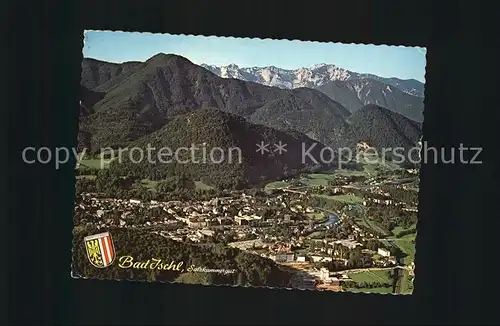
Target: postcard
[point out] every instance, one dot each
(248, 162)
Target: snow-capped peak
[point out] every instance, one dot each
(319, 65)
(312, 77)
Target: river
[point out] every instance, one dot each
(332, 219)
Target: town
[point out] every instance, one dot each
(335, 231)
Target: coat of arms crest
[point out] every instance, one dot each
(100, 249)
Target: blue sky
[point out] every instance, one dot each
(384, 61)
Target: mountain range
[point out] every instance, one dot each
(355, 93)
(156, 101)
(312, 77)
(211, 128)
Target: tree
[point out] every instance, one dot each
(268, 213)
(372, 244)
(195, 278)
(355, 258)
(241, 279)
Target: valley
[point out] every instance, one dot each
(348, 224)
(345, 221)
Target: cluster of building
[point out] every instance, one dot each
(296, 252)
(240, 222)
(384, 198)
(227, 217)
(322, 278)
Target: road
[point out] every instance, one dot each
(293, 191)
(402, 282)
(400, 181)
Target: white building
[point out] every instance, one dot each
(244, 219)
(197, 223)
(206, 232)
(324, 274)
(347, 243)
(283, 257)
(301, 258)
(383, 252)
(318, 258)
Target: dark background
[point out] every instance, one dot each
(43, 70)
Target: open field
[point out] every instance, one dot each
(94, 163)
(344, 198)
(150, 184)
(325, 176)
(349, 173)
(373, 290)
(372, 166)
(370, 169)
(322, 179)
(311, 180)
(405, 245)
(316, 235)
(360, 221)
(375, 226)
(398, 229)
(386, 243)
(376, 276)
(408, 248)
(202, 186)
(276, 185)
(316, 216)
(317, 179)
(380, 276)
(377, 161)
(408, 237)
